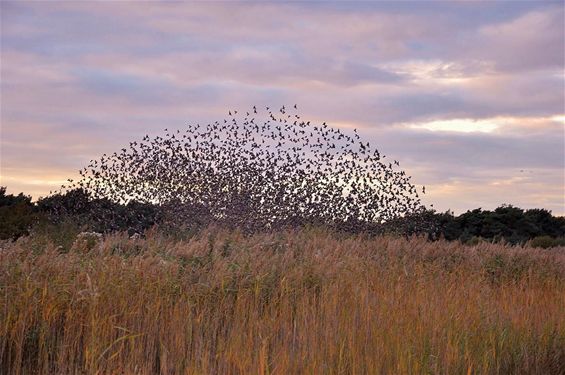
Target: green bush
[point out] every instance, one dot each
(17, 215)
(473, 241)
(545, 242)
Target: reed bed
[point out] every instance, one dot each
(297, 302)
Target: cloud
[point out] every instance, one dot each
(521, 163)
(532, 41)
(83, 78)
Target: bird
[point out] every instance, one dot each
(264, 173)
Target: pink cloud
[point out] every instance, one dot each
(81, 79)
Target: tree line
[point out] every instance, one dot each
(19, 214)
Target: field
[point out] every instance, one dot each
(305, 302)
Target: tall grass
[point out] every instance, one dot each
(306, 302)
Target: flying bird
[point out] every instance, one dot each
(256, 174)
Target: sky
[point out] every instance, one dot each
(468, 96)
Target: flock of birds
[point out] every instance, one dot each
(260, 169)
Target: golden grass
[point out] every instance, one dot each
(307, 302)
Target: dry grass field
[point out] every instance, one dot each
(307, 302)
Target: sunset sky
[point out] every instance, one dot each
(468, 96)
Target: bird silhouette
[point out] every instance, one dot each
(256, 174)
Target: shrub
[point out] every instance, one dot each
(17, 215)
(545, 242)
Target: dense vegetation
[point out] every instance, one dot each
(506, 223)
(18, 214)
(207, 299)
(293, 302)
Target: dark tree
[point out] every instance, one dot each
(17, 215)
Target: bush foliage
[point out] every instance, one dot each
(17, 215)
(75, 208)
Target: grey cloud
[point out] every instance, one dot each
(476, 150)
(96, 75)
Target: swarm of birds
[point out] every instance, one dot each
(260, 169)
